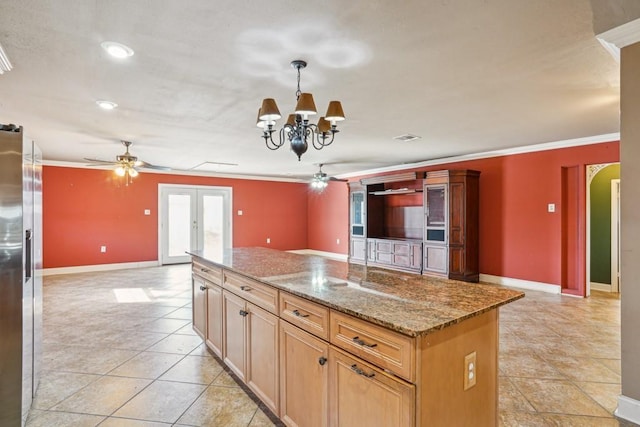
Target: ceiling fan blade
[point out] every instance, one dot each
(104, 162)
(333, 178)
(146, 165)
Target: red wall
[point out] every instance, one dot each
(518, 237)
(85, 208)
(328, 218)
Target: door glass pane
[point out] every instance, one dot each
(179, 224)
(212, 222)
(357, 207)
(435, 205)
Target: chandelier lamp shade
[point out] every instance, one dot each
(297, 129)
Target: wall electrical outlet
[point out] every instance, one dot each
(147, 211)
(103, 249)
(470, 370)
(268, 240)
(337, 241)
(551, 207)
(239, 212)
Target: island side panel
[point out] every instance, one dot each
(442, 400)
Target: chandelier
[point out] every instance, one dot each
(297, 130)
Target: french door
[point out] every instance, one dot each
(193, 218)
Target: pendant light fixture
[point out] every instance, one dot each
(297, 130)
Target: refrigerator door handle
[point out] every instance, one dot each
(28, 267)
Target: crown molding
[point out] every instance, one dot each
(77, 165)
(576, 142)
(618, 37)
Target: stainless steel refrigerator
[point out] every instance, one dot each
(20, 273)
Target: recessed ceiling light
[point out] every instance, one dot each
(117, 50)
(106, 105)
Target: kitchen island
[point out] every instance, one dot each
(323, 342)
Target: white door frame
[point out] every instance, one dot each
(228, 211)
(615, 235)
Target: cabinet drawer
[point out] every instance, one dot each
(258, 293)
(305, 314)
(212, 274)
(389, 350)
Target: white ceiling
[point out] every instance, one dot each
(467, 76)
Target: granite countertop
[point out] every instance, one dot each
(408, 303)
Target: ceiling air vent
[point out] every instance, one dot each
(407, 137)
(5, 64)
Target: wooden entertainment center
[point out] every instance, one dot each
(423, 222)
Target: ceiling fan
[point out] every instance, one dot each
(320, 180)
(126, 165)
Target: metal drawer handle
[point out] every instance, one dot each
(322, 361)
(358, 341)
(246, 288)
(359, 371)
(203, 288)
(204, 270)
(243, 313)
(298, 314)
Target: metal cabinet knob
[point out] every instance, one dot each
(322, 360)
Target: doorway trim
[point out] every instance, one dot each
(615, 235)
(591, 171)
(229, 212)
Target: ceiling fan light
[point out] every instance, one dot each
(269, 110)
(133, 173)
(334, 112)
(120, 171)
(306, 105)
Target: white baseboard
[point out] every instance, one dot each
(522, 284)
(98, 267)
(628, 409)
(332, 255)
(595, 286)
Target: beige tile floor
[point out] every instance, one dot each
(119, 351)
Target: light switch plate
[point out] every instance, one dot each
(551, 207)
(147, 211)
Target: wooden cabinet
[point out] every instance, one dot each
(251, 347)
(199, 305)
(399, 254)
(304, 378)
(234, 342)
(214, 319)
(362, 395)
(316, 366)
(451, 240)
(357, 221)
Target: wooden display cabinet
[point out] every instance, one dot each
(451, 240)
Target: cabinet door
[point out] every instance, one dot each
(199, 305)
(361, 395)
(358, 249)
(436, 213)
(234, 350)
(262, 373)
(304, 378)
(214, 319)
